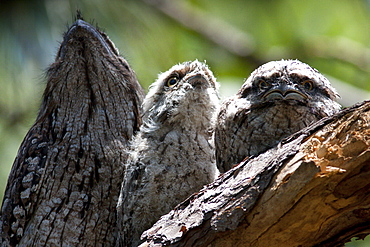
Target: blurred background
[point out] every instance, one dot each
(233, 37)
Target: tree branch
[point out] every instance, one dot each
(313, 189)
(216, 30)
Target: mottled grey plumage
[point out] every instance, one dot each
(278, 99)
(64, 185)
(173, 154)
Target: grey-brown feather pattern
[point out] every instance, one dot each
(64, 184)
(173, 154)
(278, 99)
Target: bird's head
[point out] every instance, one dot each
(185, 90)
(289, 81)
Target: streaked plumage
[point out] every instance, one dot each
(173, 154)
(64, 184)
(278, 99)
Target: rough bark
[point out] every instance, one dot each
(65, 181)
(312, 190)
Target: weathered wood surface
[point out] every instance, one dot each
(64, 184)
(311, 190)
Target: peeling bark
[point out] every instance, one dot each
(311, 190)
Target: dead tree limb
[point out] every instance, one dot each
(62, 190)
(313, 189)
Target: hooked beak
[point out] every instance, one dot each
(198, 81)
(86, 33)
(284, 92)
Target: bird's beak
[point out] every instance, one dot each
(284, 91)
(86, 33)
(198, 81)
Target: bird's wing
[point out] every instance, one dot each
(228, 129)
(129, 196)
(22, 187)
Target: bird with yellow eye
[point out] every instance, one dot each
(173, 154)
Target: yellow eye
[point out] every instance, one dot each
(263, 84)
(308, 85)
(172, 81)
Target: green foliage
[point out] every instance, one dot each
(332, 36)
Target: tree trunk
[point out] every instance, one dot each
(65, 181)
(64, 184)
(312, 190)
